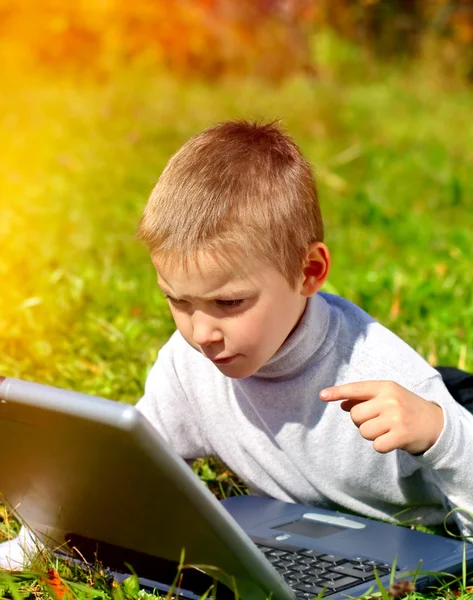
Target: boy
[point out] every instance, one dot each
(261, 358)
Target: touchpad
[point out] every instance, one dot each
(311, 529)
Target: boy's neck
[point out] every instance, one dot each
(303, 310)
(305, 340)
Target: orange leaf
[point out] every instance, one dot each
(54, 582)
(395, 306)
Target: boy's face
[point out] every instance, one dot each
(238, 320)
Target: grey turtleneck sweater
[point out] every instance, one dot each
(273, 431)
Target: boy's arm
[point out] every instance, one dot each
(395, 418)
(168, 408)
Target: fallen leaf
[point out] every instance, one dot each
(55, 583)
(398, 589)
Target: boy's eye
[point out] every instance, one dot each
(174, 301)
(221, 303)
(229, 303)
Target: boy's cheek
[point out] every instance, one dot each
(185, 329)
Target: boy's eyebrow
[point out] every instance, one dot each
(220, 296)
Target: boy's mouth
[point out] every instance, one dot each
(225, 360)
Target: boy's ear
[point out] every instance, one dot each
(316, 268)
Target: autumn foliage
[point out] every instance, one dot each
(206, 38)
(209, 38)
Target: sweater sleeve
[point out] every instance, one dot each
(169, 409)
(448, 462)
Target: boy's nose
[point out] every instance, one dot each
(205, 331)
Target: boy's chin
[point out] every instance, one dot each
(237, 371)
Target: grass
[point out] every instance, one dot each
(392, 149)
(60, 579)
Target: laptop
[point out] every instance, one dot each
(94, 479)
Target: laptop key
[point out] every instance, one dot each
(276, 553)
(362, 562)
(377, 564)
(302, 568)
(314, 562)
(351, 571)
(315, 572)
(265, 549)
(311, 553)
(306, 560)
(314, 580)
(322, 564)
(333, 576)
(342, 583)
(331, 558)
(295, 575)
(368, 569)
(309, 588)
(283, 564)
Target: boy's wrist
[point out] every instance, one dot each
(432, 431)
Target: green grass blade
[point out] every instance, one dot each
(11, 585)
(384, 593)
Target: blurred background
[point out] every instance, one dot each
(97, 94)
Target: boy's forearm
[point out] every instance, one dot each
(448, 462)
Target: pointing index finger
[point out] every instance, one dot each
(360, 390)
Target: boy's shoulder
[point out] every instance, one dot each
(372, 350)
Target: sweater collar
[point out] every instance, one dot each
(306, 339)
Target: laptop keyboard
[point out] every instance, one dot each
(309, 572)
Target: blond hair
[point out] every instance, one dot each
(237, 186)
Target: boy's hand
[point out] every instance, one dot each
(389, 415)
